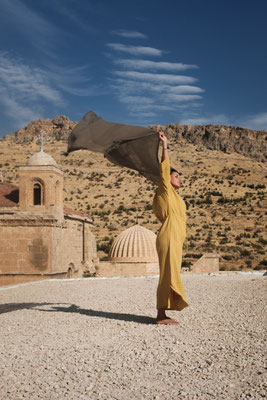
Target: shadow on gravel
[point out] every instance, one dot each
(9, 307)
(141, 319)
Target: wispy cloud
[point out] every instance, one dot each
(182, 89)
(129, 34)
(42, 35)
(218, 119)
(153, 65)
(256, 121)
(140, 107)
(148, 87)
(137, 99)
(26, 81)
(182, 97)
(140, 86)
(23, 89)
(27, 92)
(135, 50)
(18, 113)
(157, 78)
(74, 80)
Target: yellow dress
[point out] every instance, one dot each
(170, 209)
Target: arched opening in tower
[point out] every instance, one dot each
(37, 194)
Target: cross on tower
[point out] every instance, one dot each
(42, 140)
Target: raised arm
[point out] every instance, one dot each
(164, 142)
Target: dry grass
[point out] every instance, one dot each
(225, 195)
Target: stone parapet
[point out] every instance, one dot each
(107, 268)
(207, 263)
(14, 279)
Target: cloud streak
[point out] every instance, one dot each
(135, 50)
(26, 81)
(28, 92)
(157, 78)
(256, 121)
(139, 86)
(218, 119)
(153, 65)
(31, 27)
(129, 34)
(24, 90)
(147, 87)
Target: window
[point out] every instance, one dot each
(37, 194)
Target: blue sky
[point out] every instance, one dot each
(138, 62)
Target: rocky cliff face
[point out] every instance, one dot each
(58, 128)
(228, 139)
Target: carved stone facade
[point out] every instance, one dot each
(39, 238)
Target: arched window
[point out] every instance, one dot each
(37, 194)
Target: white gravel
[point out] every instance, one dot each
(95, 339)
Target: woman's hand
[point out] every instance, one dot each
(164, 142)
(163, 139)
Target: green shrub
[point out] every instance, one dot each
(244, 252)
(260, 267)
(186, 264)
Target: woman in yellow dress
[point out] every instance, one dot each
(170, 209)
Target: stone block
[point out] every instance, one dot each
(208, 263)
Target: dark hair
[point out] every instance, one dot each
(174, 170)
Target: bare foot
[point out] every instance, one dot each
(167, 321)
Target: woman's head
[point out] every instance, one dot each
(175, 178)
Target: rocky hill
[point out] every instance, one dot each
(229, 139)
(224, 183)
(58, 128)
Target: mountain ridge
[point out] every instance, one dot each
(228, 139)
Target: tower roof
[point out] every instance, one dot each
(41, 158)
(135, 244)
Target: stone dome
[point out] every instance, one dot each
(135, 244)
(41, 158)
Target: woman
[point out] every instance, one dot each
(170, 209)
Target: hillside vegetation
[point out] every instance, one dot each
(224, 182)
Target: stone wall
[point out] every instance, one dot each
(108, 268)
(36, 247)
(207, 263)
(67, 247)
(25, 249)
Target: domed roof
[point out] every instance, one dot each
(41, 158)
(135, 244)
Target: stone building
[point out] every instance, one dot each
(133, 252)
(39, 238)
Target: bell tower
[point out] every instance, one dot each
(41, 185)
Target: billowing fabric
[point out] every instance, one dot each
(170, 209)
(130, 146)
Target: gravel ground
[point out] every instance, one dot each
(96, 339)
